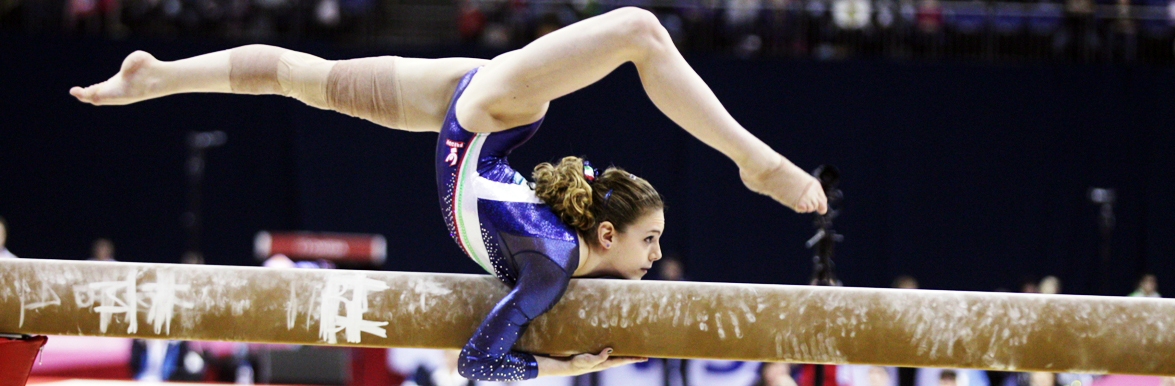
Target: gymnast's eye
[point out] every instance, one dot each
(649, 239)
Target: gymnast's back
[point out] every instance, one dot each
(494, 216)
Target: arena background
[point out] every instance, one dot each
(968, 176)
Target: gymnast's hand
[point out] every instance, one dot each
(785, 182)
(135, 81)
(583, 363)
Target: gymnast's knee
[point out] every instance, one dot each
(253, 69)
(263, 69)
(640, 28)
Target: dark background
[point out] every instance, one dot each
(966, 176)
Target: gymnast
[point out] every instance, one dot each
(572, 221)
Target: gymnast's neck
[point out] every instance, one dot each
(592, 262)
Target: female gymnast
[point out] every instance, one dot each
(571, 222)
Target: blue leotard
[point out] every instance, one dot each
(497, 220)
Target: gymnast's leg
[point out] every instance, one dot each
(515, 89)
(368, 88)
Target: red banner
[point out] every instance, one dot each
(339, 247)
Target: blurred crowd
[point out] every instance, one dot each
(289, 20)
(1068, 30)
(1120, 31)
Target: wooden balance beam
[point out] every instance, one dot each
(748, 322)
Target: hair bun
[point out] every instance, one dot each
(565, 188)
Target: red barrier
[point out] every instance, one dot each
(17, 355)
(338, 247)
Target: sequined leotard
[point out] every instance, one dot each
(498, 221)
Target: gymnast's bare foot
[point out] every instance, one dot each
(787, 183)
(134, 82)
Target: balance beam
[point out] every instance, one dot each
(748, 322)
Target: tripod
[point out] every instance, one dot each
(823, 269)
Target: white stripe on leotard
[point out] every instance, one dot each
(499, 191)
(465, 205)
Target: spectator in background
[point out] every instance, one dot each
(948, 378)
(928, 23)
(852, 14)
(1042, 379)
(1032, 379)
(775, 374)
(960, 377)
(94, 16)
(192, 257)
(1044, 22)
(1080, 35)
(283, 261)
(855, 375)
(278, 261)
(1029, 286)
(155, 360)
(882, 376)
(1171, 21)
(1050, 285)
(740, 20)
(102, 250)
(4, 253)
(929, 16)
(471, 21)
(1148, 286)
(1154, 26)
(670, 268)
(905, 282)
(444, 375)
(855, 33)
(1123, 39)
(84, 12)
(327, 13)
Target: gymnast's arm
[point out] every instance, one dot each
(368, 88)
(488, 355)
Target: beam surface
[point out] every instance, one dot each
(802, 324)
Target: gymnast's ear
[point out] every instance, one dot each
(606, 234)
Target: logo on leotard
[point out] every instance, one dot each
(453, 146)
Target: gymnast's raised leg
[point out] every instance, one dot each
(515, 88)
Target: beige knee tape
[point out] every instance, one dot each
(254, 69)
(303, 77)
(367, 88)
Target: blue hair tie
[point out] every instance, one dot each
(607, 196)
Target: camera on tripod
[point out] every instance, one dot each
(823, 272)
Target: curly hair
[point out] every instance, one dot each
(616, 196)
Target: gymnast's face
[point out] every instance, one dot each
(634, 250)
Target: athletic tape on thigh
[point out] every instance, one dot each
(367, 88)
